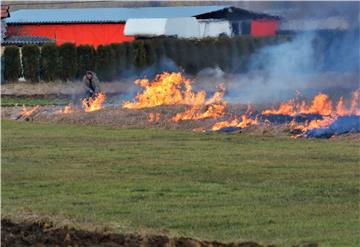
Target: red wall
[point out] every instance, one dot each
(264, 27)
(93, 34)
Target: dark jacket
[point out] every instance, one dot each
(92, 86)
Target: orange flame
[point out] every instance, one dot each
(175, 89)
(166, 89)
(67, 109)
(214, 107)
(321, 104)
(154, 117)
(245, 122)
(96, 104)
(27, 112)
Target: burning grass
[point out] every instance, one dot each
(271, 190)
(318, 118)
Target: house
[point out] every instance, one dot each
(4, 14)
(101, 26)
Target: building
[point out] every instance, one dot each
(101, 26)
(4, 14)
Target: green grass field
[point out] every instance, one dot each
(225, 187)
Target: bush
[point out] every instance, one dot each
(105, 62)
(12, 64)
(120, 58)
(31, 62)
(67, 61)
(49, 62)
(86, 57)
(130, 55)
(140, 54)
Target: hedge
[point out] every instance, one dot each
(67, 63)
(105, 62)
(86, 57)
(31, 62)
(49, 60)
(119, 60)
(12, 64)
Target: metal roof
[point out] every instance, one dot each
(26, 40)
(86, 15)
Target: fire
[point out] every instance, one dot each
(96, 104)
(354, 106)
(28, 112)
(214, 108)
(166, 89)
(67, 109)
(175, 89)
(321, 104)
(154, 117)
(285, 108)
(314, 124)
(246, 121)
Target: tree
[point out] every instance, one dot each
(31, 62)
(141, 56)
(86, 56)
(49, 62)
(67, 61)
(105, 62)
(12, 66)
(149, 47)
(120, 58)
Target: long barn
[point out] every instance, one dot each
(101, 26)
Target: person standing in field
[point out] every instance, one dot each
(91, 84)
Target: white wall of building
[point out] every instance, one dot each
(187, 27)
(214, 28)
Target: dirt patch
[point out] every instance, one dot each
(42, 233)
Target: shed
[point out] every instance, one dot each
(101, 26)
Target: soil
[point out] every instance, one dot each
(43, 234)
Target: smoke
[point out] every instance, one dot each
(310, 62)
(126, 89)
(320, 57)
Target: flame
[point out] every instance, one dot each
(175, 89)
(211, 108)
(96, 104)
(154, 117)
(67, 109)
(321, 104)
(314, 124)
(166, 89)
(245, 122)
(27, 112)
(354, 105)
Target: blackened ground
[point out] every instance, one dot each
(45, 234)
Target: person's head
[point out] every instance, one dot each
(89, 75)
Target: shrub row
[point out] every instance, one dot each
(68, 62)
